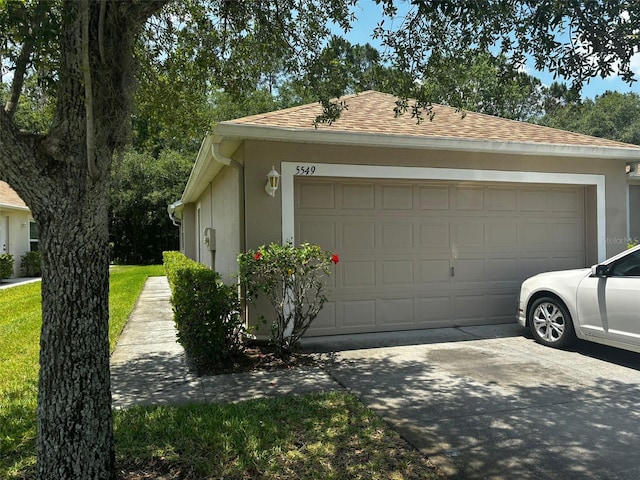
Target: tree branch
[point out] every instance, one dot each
(17, 164)
(143, 9)
(23, 60)
(94, 173)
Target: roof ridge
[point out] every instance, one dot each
(297, 108)
(371, 111)
(544, 127)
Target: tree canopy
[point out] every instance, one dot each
(577, 41)
(611, 115)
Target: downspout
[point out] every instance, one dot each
(223, 159)
(173, 212)
(242, 247)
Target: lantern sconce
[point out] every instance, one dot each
(273, 181)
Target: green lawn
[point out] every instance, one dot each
(322, 436)
(20, 322)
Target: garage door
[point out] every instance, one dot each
(420, 254)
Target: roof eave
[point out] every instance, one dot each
(19, 208)
(194, 186)
(230, 130)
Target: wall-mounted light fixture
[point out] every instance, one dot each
(273, 181)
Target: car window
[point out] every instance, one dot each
(627, 266)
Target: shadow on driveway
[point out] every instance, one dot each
(501, 406)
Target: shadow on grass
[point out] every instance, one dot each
(321, 436)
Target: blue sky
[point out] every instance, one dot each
(369, 15)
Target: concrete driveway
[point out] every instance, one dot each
(489, 403)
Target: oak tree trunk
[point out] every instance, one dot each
(64, 177)
(75, 437)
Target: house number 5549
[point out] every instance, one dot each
(305, 169)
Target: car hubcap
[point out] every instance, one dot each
(549, 322)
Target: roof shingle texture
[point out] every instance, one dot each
(9, 197)
(372, 112)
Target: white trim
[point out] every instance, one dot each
(427, 173)
(232, 131)
(18, 208)
(628, 206)
(198, 223)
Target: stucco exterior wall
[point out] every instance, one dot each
(264, 216)
(188, 231)
(634, 212)
(227, 221)
(212, 226)
(16, 235)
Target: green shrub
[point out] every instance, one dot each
(294, 281)
(31, 264)
(206, 312)
(6, 265)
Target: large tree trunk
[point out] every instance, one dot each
(75, 437)
(64, 178)
(75, 428)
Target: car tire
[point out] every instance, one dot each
(550, 323)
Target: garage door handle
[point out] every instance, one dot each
(453, 273)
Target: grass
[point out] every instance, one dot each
(320, 436)
(328, 436)
(20, 323)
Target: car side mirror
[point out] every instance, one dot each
(600, 271)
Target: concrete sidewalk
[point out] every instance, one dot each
(17, 281)
(148, 365)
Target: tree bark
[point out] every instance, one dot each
(75, 427)
(75, 433)
(70, 206)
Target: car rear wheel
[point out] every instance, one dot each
(551, 323)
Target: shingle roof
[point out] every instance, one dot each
(8, 197)
(372, 112)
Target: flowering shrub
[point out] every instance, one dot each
(294, 281)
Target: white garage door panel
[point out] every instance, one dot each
(420, 254)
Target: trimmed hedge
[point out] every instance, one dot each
(6, 265)
(206, 312)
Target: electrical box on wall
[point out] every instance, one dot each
(210, 238)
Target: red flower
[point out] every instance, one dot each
(257, 256)
(335, 258)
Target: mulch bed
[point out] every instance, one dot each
(260, 355)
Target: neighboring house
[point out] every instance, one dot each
(436, 223)
(18, 234)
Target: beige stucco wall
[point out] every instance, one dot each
(236, 205)
(188, 232)
(634, 211)
(219, 208)
(264, 217)
(227, 220)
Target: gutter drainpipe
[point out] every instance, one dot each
(218, 156)
(173, 213)
(223, 159)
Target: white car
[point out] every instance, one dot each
(599, 304)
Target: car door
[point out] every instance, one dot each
(608, 302)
